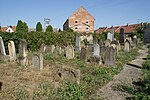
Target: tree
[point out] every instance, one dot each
(49, 28)
(38, 27)
(19, 27)
(25, 27)
(0, 28)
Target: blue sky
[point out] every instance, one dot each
(105, 12)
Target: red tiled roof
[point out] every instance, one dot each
(3, 29)
(127, 28)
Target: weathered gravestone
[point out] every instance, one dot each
(42, 48)
(127, 46)
(71, 74)
(83, 54)
(23, 53)
(121, 40)
(12, 51)
(70, 52)
(147, 34)
(2, 47)
(37, 61)
(78, 45)
(110, 36)
(115, 45)
(109, 58)
(107, 43)
(57, 50)
(96, 50)
(134, 40)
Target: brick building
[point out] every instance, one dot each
(80, 21)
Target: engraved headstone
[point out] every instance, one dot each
(147, 34)
(110, 36)
(107, 43)
(134, 40)
(70, 52)
(109, 58)
(12, 51)
(37, 61)
(121, 40)
(96, 50)
(57, 50)
(78, 45)
(127, 46)
(83, 54)
(23, 53)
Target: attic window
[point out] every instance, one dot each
(87, 28)
(87, 22)
(76, 21)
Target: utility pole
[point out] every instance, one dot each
(46, 23)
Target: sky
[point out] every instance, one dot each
(105, 12)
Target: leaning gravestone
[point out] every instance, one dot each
(37, 61)
(96, 50)
(70, 52)
(109, 58)
(107, 43)
(78, 45)
(12, 51)
(23, 53)
(121, 40)
(127, 46)
(2, 47)
(110, 36)
(83, 54)
(71, 74)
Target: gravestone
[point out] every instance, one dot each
(71, 74)
(115, 45)
(121, 40)
(96, 50)
(42, 48)
(23, 53)
(70, 52)
(83, 54)
(147, 34)
(78, 45)
(57, 50)
(37, 61)
(127, 46)
(134, 40)
(110, 36)
(12, 51)
(2, 47)
(109, 58)
(107, 43)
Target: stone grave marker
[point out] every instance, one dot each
(109, 58)
(70, 52)
(2, 47)
(107, 42)
(127, 46)
(78, 44)
(110, 36)
(147, 34)
(23, 53)
(134, 40)
(57, 50)
(37, 61)
(12, 51)
(83, 54)
(96, 50)
(121, 40)
(71, 74)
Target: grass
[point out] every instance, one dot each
(25, 83)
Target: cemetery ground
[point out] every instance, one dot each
(26, 83)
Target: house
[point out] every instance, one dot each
(127, 28)
(80, 21)
(9, 29)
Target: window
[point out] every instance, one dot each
(87, 28)
(76, 21)
(76, 27)
(87, 22)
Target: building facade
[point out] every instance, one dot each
(80, 21)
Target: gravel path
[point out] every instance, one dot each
(129, 74)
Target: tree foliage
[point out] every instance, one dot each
(49, 28)
(22, 26)
(38, 27)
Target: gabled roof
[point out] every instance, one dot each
(80, 10)
(3, 29)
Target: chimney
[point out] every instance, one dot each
(142, 23)
(127, 25)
